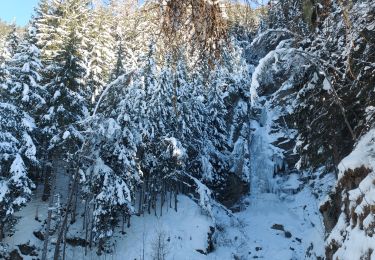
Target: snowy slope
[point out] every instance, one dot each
(278, 225)
(283, 229)
(185, 231)
(247, 234)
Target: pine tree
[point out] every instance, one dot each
(21, 98)
(119, 68)
(236, 75)
(25, 67)
(17, 157)
(100, 51)
(3, 71)
(65, 56)
(7, 51)
(216, 129)
(47, 20)
(11, 42)
(111, 176)
(4, 74)
(159, 165)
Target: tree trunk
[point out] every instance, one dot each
(1, 231)
(84, 216)
(64, 248)
(154, 199)
(140, 207)
(62, 230)
(49, 217)
(73, 215)
(86, 235)
(100, 246)
(48, 227)
(161, 202)
(149, 204)
(170, 199)
(47, 183)
(175, 200)
(123, 224)
(56, 255)
(91, 232)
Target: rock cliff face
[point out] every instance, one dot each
(350, 209)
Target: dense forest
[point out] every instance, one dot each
(174, 129)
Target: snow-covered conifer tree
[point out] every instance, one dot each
(111, 176)
(17, 157)
(65, 73)
(101, 54)
(11, 43)
(24, 68)
(21, 97)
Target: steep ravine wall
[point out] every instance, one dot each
(349, 211)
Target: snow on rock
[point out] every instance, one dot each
(205, 200)
(352, 236)
(362, 155)
(292, 184)
(263, 63)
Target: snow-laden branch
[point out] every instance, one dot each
(319, 63)
(120, 80)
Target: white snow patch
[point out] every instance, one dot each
(178, 150)
(362, 155)
(327, 85)
(66, 135)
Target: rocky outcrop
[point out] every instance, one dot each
(266, 42)
(338, 201)
(349, 216)
(14, 255)
(27, 249)
(232, 191)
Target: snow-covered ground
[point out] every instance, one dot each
(283, 228)
(27, 223)
(270, 226)
(278, 225)
(185, 231)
